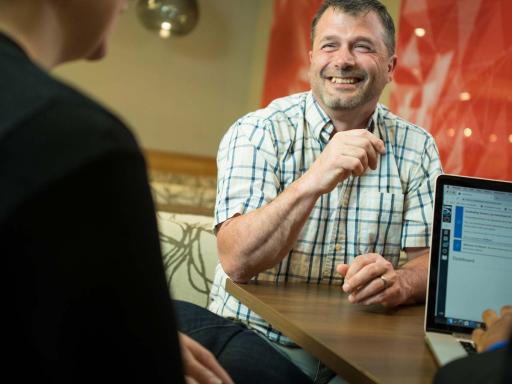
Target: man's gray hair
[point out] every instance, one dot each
(356, 8)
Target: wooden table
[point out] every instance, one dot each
(362, 344)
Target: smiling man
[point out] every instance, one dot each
(328, 186)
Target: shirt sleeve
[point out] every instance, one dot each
(247, 169)
(419, 199)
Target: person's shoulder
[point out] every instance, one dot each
(76, 118)
(25, 88)
(284, 111)
(393, 122)
(30, 98)
(69, 134)
(283, 108)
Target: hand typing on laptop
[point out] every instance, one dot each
(498, 329)
(492, 366)
(371, 279)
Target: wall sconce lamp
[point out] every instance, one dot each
(168, 17)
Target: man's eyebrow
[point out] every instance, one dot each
(364, 39)
(329, 38)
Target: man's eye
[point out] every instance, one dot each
(328, 46)
(363, 48)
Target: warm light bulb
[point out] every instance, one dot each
(420, 32)
(464, 96)
(451, 132)
(493, 138)
(468, 132)
(164, 33)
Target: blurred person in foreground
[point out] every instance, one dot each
(84, 294)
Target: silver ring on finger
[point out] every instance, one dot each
(385, 281)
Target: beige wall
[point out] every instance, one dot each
(181, 94)
(393, 7)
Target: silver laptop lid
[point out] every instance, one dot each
(471, 252)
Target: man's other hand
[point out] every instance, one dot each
(371, 279)
(347, 153)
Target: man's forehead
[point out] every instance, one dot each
(333, 18)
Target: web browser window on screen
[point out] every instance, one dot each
(475, 254)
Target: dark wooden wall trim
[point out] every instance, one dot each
(180, 163)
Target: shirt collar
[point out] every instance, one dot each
(318, 121)
(321, 124)
(373, 124)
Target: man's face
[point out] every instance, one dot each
(349, 61)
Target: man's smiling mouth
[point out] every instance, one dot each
(344, 80)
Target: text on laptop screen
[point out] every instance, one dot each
(475, 254)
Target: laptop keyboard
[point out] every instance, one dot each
(468, 346)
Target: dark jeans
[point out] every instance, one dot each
(243, 354)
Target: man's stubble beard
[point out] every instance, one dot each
(342, 103)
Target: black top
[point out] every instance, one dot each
(487, 367)
(84, 295)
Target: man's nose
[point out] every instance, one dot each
(344, 58)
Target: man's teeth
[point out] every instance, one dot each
(340, 80)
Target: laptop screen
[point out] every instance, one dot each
(471, 256)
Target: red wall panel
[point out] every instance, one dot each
(288, 60)
(454, 77)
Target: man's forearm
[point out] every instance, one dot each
(414, 275)
(251, 243)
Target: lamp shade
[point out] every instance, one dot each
(168, 17)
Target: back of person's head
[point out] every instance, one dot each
(57, 31)
(356, 8)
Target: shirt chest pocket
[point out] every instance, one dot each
(380, 224)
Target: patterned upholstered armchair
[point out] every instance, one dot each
(189, 254)
(183, 189)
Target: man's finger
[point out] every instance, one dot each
(365, 277)
(377, 143)
(506, 309)
(365, 145)
(371, 290)
(342, 269)
(351, 164)
(489, 316)
(375, 299)
(477, 336)
(356, 152)
(359, 263)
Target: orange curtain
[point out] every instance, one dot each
(287, 59)
(454, 77)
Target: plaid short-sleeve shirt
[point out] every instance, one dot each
(383, 211)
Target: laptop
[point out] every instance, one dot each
(470, 261)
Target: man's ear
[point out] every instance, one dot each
(310, 56)
(391, 67)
